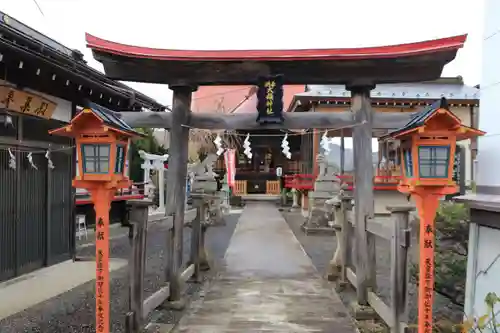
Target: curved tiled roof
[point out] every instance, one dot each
(424, 90)
(390, 51)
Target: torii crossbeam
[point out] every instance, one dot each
(294, 121)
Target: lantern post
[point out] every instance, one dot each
(428, 144)
(102, 146)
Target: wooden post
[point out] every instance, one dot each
(363, 190)
(102, 198)
(196, 237)
(170, 257)
(400, 244)
(203, 257)
(138, 218)
(347, 237)
(335, 264)
(176, 191)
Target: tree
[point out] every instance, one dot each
(452, 235)
(452, 240)
(201, 140)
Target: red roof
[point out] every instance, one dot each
(219, 98)
(236, 99)
(392, 51)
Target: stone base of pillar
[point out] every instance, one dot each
(333, 272)
(304, 201)
(179, 305)
(362, 312)
(205, 264)
(318, 219)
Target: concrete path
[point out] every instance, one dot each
(30, 289)
(267, 284)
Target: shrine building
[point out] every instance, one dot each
(258, 175)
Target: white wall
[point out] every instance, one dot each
(63, 108)
(489, 115)
(483, 268)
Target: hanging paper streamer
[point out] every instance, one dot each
(218, 145)
(30, 160)
(7, 121)
(286, 147)
(49, 161)
(325, 142)
(12, 160)
(246, 145)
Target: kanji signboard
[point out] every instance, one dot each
(270, 99)
(22, 102)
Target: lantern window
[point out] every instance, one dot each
(408, 161)
(433, 161)
(120, 159)
(95, 158)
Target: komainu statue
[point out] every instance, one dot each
(204, 181)
(326, 187)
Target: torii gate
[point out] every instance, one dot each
(154, 162)
(360, 69)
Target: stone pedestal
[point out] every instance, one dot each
(319, 213)
(335, 265)
(207, 185)
(295, 198)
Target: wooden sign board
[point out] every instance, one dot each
(270, 99)
(23, 102)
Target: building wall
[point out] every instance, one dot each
(490, 98)
(36, 205)
(483, 268)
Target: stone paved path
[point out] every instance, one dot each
(267, 284)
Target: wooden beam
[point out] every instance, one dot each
(247, 121)
(147, 119)
(363, 190)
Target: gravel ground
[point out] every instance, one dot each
(321, 248)
(73, 311)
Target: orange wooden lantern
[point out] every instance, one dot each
(102, 141)
(428, 144)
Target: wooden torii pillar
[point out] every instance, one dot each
(363, 186)
(176, 179)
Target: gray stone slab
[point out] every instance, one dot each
(267, 284)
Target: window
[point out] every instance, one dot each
(120, 158)
(433, 161)
(408, 161)
(95, 158)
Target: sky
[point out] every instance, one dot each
(259, 24)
